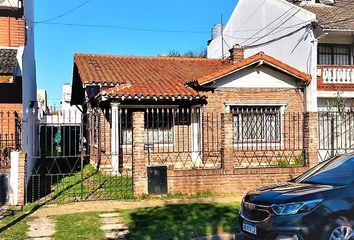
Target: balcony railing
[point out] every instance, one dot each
(333, 74)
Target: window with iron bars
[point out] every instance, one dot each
(159, 126)
(257, 124)
(334, 54)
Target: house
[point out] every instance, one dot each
(313, 36)
(190, 124)
(17, 84)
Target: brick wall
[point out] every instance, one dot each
(12, 31)
(10, 118)
(294, 98)
(227, 179)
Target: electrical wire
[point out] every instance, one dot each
(68, 12)
(278, 38)
(269, 24)
(281, 24)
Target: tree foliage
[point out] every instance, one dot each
(189, 54)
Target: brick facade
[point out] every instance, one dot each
(293, 98)
(12, 32)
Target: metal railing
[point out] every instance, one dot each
(10, 136)
(335, 133)
(266, 137)
(183, 138)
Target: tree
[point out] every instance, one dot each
(189, 54)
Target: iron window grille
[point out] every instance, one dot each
(257, 124)
(158, 127)
(334, 54)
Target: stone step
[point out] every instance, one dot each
(117, 235)
(109, 215)
(114, 227)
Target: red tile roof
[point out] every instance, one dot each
(162, 77)
(153, 77)
(255, 59)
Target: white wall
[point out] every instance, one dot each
(257, 77)
(29, 87)
(251, 16)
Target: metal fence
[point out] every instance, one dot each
(183, 138)
(335, 133)
(77, 160)
(10, 136)
(267, 137)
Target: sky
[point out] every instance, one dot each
(133, 21)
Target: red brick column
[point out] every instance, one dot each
(311, 138)
(139, 162)
(228, 142)
(22, 178)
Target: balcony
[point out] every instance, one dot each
(335, 78)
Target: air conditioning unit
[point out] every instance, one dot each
(10, 4)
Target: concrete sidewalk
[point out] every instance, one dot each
(108, 206)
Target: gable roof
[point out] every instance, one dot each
(259, 58)
(340, 15)
(149, 77)
(8, 61)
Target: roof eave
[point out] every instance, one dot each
(259, 62)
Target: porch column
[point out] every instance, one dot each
(196, 136)
(115, 137)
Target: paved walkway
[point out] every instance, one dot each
(113, 226)
(40, 228)
(110, 206)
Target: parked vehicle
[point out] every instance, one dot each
(318, 204)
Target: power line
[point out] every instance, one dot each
(281, 24)
(278, 38)
(68, 12)
(269, 24)
(274, 33)
(118, 27)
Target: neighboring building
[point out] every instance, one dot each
(313, 36)
(193, 117)
(18, 87)
(42, 102)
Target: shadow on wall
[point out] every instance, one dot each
(183, 221)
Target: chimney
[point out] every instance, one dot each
(236, 54)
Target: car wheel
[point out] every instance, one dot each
(339, 229)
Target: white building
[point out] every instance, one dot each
(313, 36)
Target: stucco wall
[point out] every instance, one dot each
(277, 18)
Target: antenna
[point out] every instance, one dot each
(222, 38)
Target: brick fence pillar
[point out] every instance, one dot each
(18, 179)
(139, 163)
(311, 138)
(22, 179)
(228, 142)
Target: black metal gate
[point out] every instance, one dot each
(81, 158)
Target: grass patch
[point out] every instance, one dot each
(96, 186)
(78, 226)
(182, 221)
(177, 195)
(13, 226)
